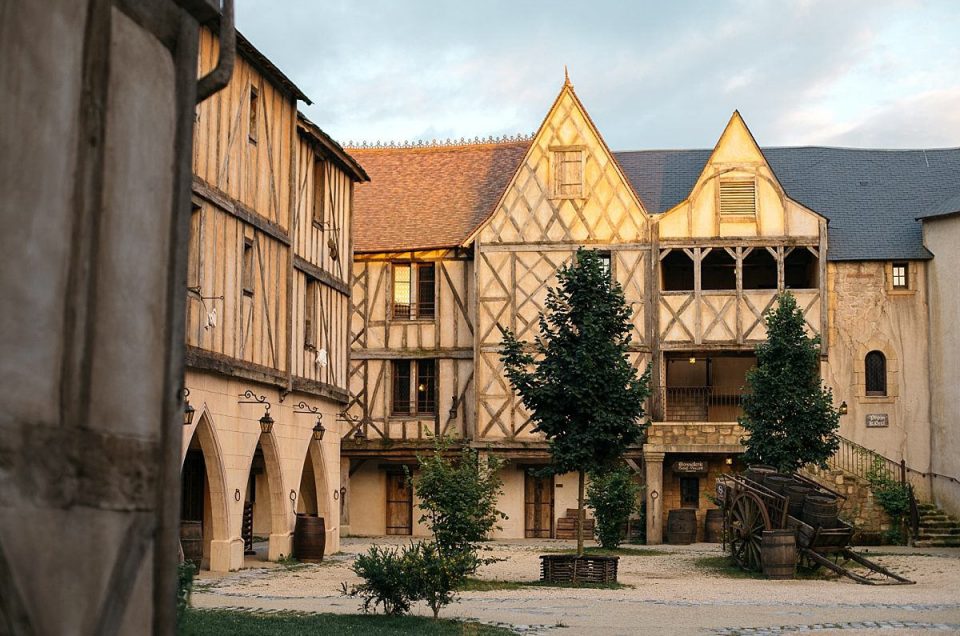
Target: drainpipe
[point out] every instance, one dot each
(219, 77)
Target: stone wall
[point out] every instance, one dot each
(661, 434)
(861, 509)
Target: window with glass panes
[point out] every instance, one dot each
(414, 291)
(900, 276)
(414, 387)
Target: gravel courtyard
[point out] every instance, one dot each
(669, 593)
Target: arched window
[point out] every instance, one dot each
(875, 367)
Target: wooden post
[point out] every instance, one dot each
(653, 463)
(580, 483)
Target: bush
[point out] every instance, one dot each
(893, 496)
(613, 497)
(185, 573)
(458, 498)
(388, 580)
(395, 578)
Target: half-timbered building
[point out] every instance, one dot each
(455, 241)
(267, 315)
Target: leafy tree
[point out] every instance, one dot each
(458, 498)
(576, 380)
(613, 496)
(787, 411)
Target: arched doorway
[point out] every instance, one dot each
(203, 505)
(314, 490)
(265, 494)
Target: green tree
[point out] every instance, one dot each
(788, 413)
(458, 497)
(613, 496)
(575, 379)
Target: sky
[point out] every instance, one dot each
(664, 74)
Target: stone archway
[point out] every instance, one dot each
(215, 512)
(314, 484)
(280, 505)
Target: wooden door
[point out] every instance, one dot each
(399, 504)
(538, 507)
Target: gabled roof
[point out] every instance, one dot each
(947, 207)
(429, 197)
(331, 148)
(870, 197)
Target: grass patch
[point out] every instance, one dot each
(487, 585)
(621, 551)
(217, 622)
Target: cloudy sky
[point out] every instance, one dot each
(658, 74)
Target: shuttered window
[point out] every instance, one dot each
(247, 274)
(414, 291)
(738, 198)
(319, 192)
(426, 301)
(310, 314)
(568, 173)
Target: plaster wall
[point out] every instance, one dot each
(866, 314)
(236, 433)
(942, 236)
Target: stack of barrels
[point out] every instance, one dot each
(807, 503)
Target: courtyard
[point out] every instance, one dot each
(664, 590)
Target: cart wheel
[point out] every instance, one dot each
(747, 518)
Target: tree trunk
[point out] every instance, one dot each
(580, 481)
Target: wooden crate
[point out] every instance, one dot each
(566, 568)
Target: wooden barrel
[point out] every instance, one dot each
(797, 493)
(820, 510)
(778, 554)
(759, 472)
(309, 538)
(191, 540)
(777, 482)
(713, 526)
(682, 526)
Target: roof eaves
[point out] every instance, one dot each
(263, 64)
(344, 159)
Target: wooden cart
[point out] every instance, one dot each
(750, 508)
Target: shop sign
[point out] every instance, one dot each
(878, 420)
(695, 466)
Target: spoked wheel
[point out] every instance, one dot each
(747, 519)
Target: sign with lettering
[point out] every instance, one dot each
(697, 466)
(878, 420)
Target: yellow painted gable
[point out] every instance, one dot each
(607, 212)
(737, 159)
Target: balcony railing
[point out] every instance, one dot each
(695, 403)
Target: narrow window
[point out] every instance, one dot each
(738, 198)
(402, 290)
(254, 108)
(247, 275)
(605, 263)
(901, 278)
(310, 315)
(426, 386)
(319, 192)
(193, 263)
(676, 271)
(568, 173)
(426, 294)
(401, 387)
(875, 368)
(689, 492)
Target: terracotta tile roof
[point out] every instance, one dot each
(430, 197)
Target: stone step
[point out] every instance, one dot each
(938, 519)
(939, 532)
(925, 523)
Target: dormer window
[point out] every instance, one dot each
(738, 197)
(568, 173)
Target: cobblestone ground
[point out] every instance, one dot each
(668, 593)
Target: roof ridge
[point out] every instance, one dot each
(437, 143)
(808, 147)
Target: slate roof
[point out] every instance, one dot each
(949, 206)
(421, 198)
(430, 197)
(872, 198)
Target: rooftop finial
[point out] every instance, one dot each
(566, 76)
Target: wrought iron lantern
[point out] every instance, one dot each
(188, 410)
(318, 429)
(266, 422)
(843, 408)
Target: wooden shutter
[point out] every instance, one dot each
(738, 198)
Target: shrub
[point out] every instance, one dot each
(388, 580)
(458, 497)
(893, 496)
(438, 574)
(613, 496)
(185, 573)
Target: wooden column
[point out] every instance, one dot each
(653, 463)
